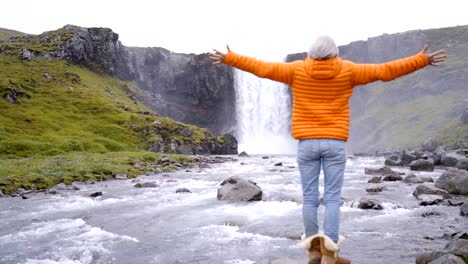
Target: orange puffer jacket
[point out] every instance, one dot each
(321, 88)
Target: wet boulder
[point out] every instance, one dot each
(422, 165)
(380, 171)
(238, 189)
(454, 181)
(366, 203)
(95, 194)
(426, 190)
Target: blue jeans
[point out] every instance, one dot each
(312, 155)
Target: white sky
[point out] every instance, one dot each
(252, 27)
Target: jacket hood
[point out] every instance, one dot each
(323, 69)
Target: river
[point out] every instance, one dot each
(158, 225)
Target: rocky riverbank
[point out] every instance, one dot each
(120, 167)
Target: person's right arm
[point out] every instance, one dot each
(276, 71)
(366, 73)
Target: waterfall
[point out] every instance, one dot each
(263, 109)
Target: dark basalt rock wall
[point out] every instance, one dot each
(185, 87)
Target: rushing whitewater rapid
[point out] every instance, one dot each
(158, 225)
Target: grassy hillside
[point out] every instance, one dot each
(6, 33)
(60, 122)
(427, 104)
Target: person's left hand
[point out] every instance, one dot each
(217, 56)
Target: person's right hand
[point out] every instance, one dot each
(435, 58)
(218, 56)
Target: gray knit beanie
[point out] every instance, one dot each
(323, 48)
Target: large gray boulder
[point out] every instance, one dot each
(454, 181)
(237, 189)
(422, 165)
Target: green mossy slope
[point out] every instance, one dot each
(7, 33)
(61, 122)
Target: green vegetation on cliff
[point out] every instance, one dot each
(62, 122)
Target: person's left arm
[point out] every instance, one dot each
(277, 71)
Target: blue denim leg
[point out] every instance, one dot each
(308, 158)
(333, 162)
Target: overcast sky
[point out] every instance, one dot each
(252, 27)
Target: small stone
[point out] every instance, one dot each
(366, 203)
(146, 185)
(265, 157)
(47, 76)
(243, 154)
(95, 194)
(464, 209)
(27, 55)
(432, 213)
(70, 89)
(392, 177)
(157, 122)
(183, 190)
(374, 189)
(24, 197)
(375, 179)
(204, 166)
(121, 176)
(279, 164)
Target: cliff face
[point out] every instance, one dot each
(185, 87)
(411, 109)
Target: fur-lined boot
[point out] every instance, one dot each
(322, 249)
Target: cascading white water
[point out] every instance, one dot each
(263, 115)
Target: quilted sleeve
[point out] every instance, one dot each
(276, 71)
(366, 73)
